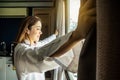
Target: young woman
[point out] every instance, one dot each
(30, 56)
(28, 61)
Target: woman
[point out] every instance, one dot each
(27, 58)
(30, 63)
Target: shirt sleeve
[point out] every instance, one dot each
(53, 46)
(65, 59)
(46, 40)
(28, 59)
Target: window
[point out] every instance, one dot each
(73, 11)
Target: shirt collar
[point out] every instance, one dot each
(28, 43)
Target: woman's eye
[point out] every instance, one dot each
(38, 28)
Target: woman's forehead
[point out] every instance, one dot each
(38, 24)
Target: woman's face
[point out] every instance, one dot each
(35, 32)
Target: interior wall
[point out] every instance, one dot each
(10, 20)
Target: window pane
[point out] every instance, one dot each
(74, 10)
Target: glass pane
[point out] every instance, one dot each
(74, 10)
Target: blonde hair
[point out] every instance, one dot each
(27, 23)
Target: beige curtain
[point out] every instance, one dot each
(60, 25)
(60, 19)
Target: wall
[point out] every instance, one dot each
(10, 19)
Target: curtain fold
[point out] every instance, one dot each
(60, 19)
(60, 26)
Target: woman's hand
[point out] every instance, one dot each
(56, 32)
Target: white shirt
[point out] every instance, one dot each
(32, 61)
